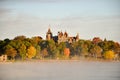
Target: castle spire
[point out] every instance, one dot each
(65, 34)
(77, 37)
(49, 34)
(49, 31)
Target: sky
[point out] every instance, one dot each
(89, 18)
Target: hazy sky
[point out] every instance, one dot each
(89, 18)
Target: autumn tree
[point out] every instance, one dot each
(96, 40)
(109, 55)
(22, 47)
(36, 39)
(22, 37)
(96, 51)
(10, 51)
(67, 52)
(31, 52)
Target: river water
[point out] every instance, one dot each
(60, 70)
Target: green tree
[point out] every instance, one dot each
(44, 53)
(27, 42)
(106, 45)
(84, 50)
(38, 52)
(56, 53)
(51, 47)
(103, 45)
(43, 44)
(84, 47)
(61, 48)
(75, 49)
(3, 43)
(22, 51)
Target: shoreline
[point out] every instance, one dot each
(55, 60)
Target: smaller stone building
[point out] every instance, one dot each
(3, 58)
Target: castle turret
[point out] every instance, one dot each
(62, 37)
(49, 35)
(65, 34)
(77, 37)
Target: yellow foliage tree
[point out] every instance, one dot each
(109, 55)
(31, 52)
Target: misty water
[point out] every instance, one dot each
(60, 70)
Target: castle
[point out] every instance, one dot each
(61, 37)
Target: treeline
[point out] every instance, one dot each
(26, 48)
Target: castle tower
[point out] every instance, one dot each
(49, 35)
(60, 36)
(77, 37)
(65, 37)
(65, 34)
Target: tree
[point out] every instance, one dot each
(51, 47)
(37, 39)
(43, 44)
(22, 37)
(10, 51)
(44, 52)
(96, 40)
(84, 49)
(3, 43)
(61, 48)
(96, 51)
(56, 53)
(31, 52)
(109, 55)
(22, 51)
(38, 52)
(66, 52)
(27, 42)
(106, 45)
